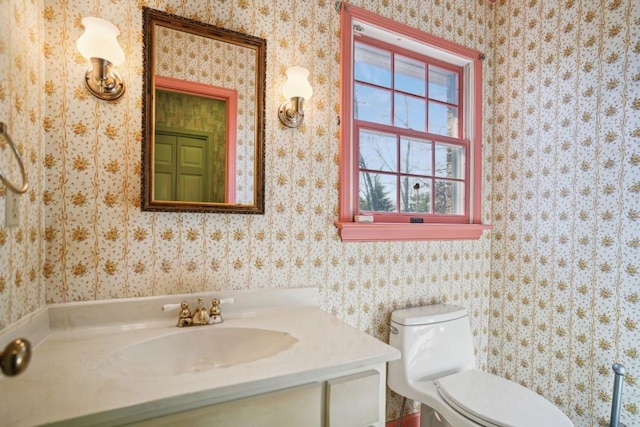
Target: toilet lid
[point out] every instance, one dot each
(493, 401)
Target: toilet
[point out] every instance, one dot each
(438, 370)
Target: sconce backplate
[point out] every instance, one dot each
(108, 90)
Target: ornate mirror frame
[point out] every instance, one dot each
(152, 19)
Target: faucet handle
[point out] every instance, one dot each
(184, 318)
(215, 314)
(170, 307)
(215, 307)
(176, 306)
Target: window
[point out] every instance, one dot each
(410, 133)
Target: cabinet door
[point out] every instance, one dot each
(298, 406)
(353, 401)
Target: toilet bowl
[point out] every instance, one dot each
(438, 370)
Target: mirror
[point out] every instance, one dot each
(203, 117)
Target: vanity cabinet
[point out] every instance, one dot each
(353, 400)
(297, 406)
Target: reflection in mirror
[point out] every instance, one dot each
(203, 140)
(195, 141)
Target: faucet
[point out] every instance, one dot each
(199, 316)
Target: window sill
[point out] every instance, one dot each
(396, 232)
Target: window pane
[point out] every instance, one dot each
(449, 197)
(449, 161)
(372, 105)
(415, 156)
(378, 151)
(443, 120)
(378, 192)
(443, 85)
(409, 76)
(415, 195)
(372, 65)
(410, 112)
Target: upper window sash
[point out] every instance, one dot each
(386, 78)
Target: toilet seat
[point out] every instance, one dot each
(492, 401)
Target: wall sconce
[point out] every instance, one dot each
(99, 44)
(297, 89)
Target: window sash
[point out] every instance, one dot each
(377, 50)
(383, 58)
(394, 170)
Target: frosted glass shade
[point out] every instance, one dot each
(297, 84)
(100, 40)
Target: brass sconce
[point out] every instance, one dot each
(99, 44)
(297, 89)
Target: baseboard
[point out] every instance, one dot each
(411, 420)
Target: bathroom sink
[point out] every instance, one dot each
(197, 349)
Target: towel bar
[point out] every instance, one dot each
(5, 181)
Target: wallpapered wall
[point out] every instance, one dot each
(22, 106)
(566, 176)
(561, 186)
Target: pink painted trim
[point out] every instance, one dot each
(215, 92)
(346, 130)
(350, 231)
(477, 144)
(411, 420)
(414, 33)
(396, 232)
(230, 181)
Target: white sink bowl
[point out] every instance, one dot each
(197, 349)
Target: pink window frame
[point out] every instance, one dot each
(398, 231)
(404, 217)
(230, 96)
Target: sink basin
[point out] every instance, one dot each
(197, 349)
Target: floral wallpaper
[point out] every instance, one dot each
(565, 175)
(552, 290)
(22, 106)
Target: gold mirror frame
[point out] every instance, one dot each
(152, 19)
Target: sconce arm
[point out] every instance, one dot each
(291, 113)
(103, 81)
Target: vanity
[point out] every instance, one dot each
(277, 359)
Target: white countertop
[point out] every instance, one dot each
(66, 378)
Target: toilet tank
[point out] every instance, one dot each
(434, 340)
